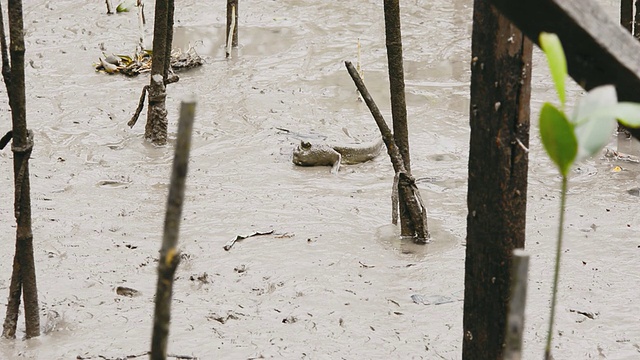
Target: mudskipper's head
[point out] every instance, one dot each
(302, 154)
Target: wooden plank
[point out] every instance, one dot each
(497, 187)
(599, 51)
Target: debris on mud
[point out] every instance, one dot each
(133, 356)
(587, 314)
(129, 292)
(433, 299)
(616, 155)
(231, 242)
(140, 62)
(202, 278)
(222, 319)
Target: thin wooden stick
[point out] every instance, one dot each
(231, 32)
(169, 253)
(407, 189)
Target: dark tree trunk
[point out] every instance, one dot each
(498, 162)
(169, 253)
(156, 127)
(23, 277)
(626, 14)
(398, 104)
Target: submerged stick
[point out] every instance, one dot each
(169, 253)
(515, 316)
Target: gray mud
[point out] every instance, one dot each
(333, 281)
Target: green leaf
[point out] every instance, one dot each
(598, 101)
(627, 113)
(594, 134)
(122, 8)
(550, 44)
(558, 138)
(125, 6)
(594, 120)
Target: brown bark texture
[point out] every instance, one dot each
(497, 188)
(23, 277)
(232, 4)
(169, 253)
(156, 127)
(409, 195)
(393, 36)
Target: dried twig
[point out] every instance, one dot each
(136, 115)
(231, 242)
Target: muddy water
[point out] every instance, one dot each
(333, 281)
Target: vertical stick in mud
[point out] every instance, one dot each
(636, 21)
(23, 277)
(498, 164)
(156, 127)
(398, 103)
(169, 41)
(232, 18)
(169, 253)
(141, 23)
(518, 299)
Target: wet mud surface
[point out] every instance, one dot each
(332, 280)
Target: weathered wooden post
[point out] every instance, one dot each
(498, 164)
(169, 253)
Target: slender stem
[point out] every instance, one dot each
(563, 200)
